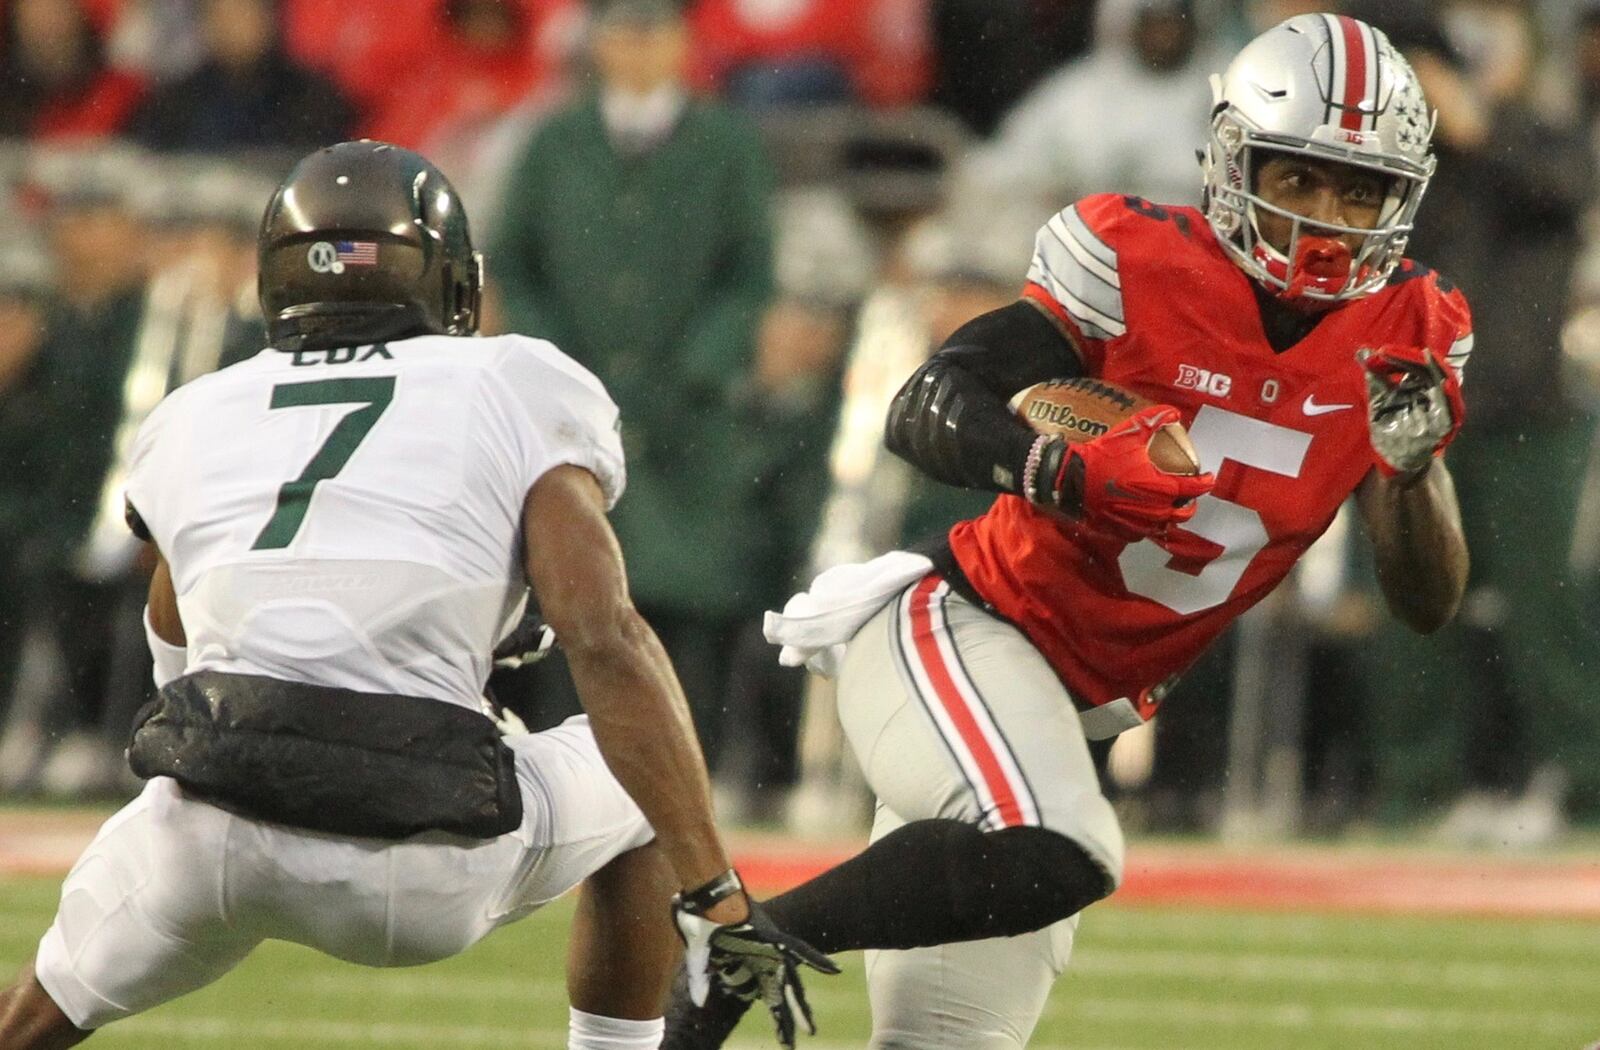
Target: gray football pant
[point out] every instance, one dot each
(953, 714)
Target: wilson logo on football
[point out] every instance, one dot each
(1064, 418)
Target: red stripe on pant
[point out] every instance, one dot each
(955, 705)
(1355, 72)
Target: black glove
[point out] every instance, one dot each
(751, 960)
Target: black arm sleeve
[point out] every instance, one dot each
(952, 419)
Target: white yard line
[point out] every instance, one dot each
(1286, 1017)
(1121, 925)
(1322, 971)
(1125, 935)
(510, 991)
(1268, 969)
(347, 1033)
(1069, 1001)
(241, 1032)
(1188, 1013)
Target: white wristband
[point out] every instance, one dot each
(170, 660)
(1030, 469)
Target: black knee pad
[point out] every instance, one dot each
(940, 881)
(1025, 879)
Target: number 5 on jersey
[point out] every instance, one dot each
(1219, 436)
(373, 394)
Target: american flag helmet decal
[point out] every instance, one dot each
(356, 253)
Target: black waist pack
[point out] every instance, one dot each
(333, 760)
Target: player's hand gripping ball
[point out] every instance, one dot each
(1414, 406)
(1110, 457)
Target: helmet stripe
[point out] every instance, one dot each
(1357, 65)
(1369, 37)
(1336, 65)
(1380, 126)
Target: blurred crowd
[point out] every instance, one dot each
(753, 219)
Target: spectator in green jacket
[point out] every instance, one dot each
(25, 284)
(636, 237)
(73, 395)
(826, 264)
(1517, 742)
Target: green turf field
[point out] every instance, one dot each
(1141, 979)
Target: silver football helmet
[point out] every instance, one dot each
(1330, 87)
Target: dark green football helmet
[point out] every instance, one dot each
(365, 242)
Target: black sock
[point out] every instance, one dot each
(941, 881)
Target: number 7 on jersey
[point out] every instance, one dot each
(373, 394)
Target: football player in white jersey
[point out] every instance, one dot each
(345, 525)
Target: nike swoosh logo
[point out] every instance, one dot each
(1311, 408)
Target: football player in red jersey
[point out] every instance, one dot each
(1308, 360)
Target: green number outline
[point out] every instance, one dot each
(294, 498)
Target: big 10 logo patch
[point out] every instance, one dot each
(1214, 383)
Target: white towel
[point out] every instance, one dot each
(816, 623)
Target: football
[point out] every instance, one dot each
(1081, 409)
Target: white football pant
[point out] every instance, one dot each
(953, 714)
(174, 892)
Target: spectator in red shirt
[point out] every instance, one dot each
(54, 79)
(800, 52)
(359, 44)
(483, 60)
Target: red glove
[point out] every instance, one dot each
(1414, 406)
(1110, 482)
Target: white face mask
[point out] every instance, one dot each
(638, 122)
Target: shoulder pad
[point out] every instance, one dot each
(565, 405)
(1410, 270)
(1077, 269)
(549, 357)
(1447, 317)
(1081, 257)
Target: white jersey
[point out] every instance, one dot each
(353, 517)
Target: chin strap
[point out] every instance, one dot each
(329, 326)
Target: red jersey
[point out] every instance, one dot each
(452, 85)
(100, 108)
(361, 44)
(1157, 307)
